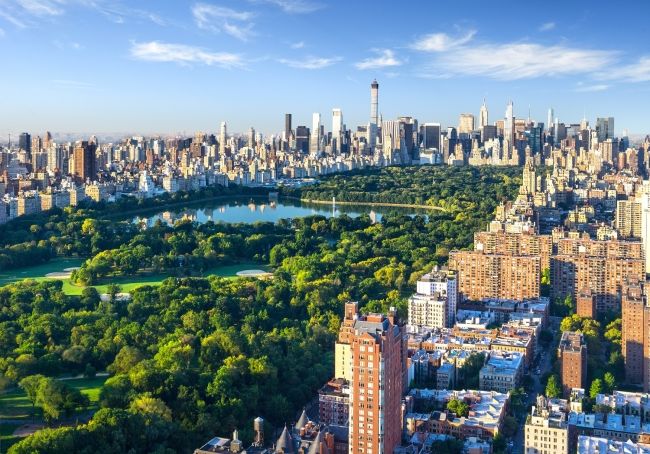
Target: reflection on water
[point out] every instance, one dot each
(254, 211)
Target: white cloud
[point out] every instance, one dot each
(182, 54)
(221, 19)
(441, 42)
(521, 61)
(311, 62)
(546, 26)
(293, 6)
(72, 83)
(385, 58)
(635, 72)
(41, 7)
(591, 88)
(298, 45)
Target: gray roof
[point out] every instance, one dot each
(314, 448)
(285, 443)
(302, 421)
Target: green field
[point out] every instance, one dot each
(38, 271)
(15, 407)
(127, 284)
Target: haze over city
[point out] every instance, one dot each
(112, 66)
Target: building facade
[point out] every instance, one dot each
(572, 353)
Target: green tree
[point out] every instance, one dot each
(596, 388)
(553, 388)
(458, 407)
(609, 382)
(30, 385)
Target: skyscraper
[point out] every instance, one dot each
(376, 355)
(287, 127)
(337, 129)
(509, 127)
(85, 161)
(25, 142)
(605, 128)
(466, 123)
(430, 133)
(314, 143)
(374, 113)
(549, 119)
(222, 139)
(251, 137)
(302, 139)
(483, 115)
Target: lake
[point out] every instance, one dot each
(253, 210)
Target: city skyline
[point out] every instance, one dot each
(110, 66)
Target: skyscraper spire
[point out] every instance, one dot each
(483, 115)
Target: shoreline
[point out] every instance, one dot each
(377, 204)
(183, 204)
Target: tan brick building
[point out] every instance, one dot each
(599, 267)
(483, 275)
(515, 244)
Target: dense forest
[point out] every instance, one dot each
(198, 357)
(452, 188)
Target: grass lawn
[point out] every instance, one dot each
(127, 284)
(15, 405)
(88, 386)
(6, 436)
(38, 271)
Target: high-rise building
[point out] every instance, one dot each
(509, 128)
(605, 128)
(251, 137)
(440, 283)
(572, 353)
(25, 142)
(315, 138)
(628, 218)
(599, 267)
(222, 139)
(85, 165)
(644, 199)
(302, 139)
(466, 123)
(337, 130)
(374, 114)
(534, 137)
(430, 133)
(502, 276)
(635, 334)
(483, 115)
(287, 127)
(549, 119)
(377, 352)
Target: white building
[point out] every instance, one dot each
(443, 282)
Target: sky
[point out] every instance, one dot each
(181, 66)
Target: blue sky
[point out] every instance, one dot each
(174, 66)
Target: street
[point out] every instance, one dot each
(542, 362)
